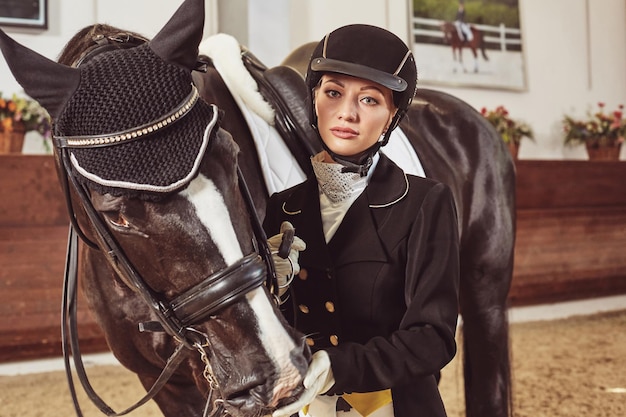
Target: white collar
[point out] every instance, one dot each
(339, 186)
(350, 188)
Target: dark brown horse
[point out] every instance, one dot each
(455, 145)
(169, 260)
(451, 37)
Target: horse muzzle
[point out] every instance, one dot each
(260, 395)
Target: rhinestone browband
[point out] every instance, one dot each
(130, 134)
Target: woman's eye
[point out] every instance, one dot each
(369, 100)
(332, 93)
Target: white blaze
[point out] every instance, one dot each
(213, 213)
(278, 344)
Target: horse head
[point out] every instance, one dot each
(153, 189)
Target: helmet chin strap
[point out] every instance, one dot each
(362, 162)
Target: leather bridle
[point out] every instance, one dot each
(176, 317)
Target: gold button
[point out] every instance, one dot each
(310, 341)
(303, 275)
(304, 308)
(330, 307)
(334, 340)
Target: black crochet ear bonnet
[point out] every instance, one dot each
(131, 118)
(135, 124)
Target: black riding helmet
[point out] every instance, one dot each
(371, 53)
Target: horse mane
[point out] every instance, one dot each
(85, 38)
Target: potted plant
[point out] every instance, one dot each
(512, 131)
(601, 132)
(19, 115)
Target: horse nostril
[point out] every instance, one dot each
(262, 394)
(254, 393)
(249, 402)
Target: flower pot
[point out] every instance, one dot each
(604, 153)
(12, 141)
(513, 149)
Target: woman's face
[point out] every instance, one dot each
(352, 113)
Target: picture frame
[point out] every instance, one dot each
(24, 13)
(490, 30)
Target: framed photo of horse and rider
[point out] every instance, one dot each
(469, 43)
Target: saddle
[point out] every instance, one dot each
(284, 88)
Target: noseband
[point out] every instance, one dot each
(176, 317)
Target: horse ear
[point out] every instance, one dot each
(46, 81)
(178, 41)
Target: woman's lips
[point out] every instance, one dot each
(344, 132)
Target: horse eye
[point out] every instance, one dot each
(117, 219)
(122, 225)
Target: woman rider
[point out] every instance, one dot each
(377, 288)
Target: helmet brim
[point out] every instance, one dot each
(393, 82)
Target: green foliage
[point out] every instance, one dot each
(435, 9)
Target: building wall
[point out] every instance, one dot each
(568, 70)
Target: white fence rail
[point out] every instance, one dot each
(493, 34)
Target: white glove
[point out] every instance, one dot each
(288, 267)
(318, 379)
